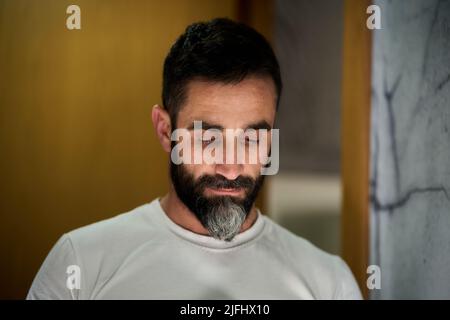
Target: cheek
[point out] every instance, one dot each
(252, 170)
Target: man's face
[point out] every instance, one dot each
(221, 195)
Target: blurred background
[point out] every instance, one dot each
(77, 144)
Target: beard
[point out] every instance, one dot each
(222, 216)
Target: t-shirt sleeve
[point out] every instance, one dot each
(347, 288)
(60, 265)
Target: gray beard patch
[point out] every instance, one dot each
(224, 220)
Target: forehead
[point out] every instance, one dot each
(229, 105)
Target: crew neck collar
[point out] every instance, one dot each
(249, 235)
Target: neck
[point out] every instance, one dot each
(181, 215)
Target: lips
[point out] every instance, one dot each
(226, 191)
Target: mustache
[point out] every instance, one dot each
(219, 182)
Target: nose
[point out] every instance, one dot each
(232, 165)
(229, 171)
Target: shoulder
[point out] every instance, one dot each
(297, 247)
(102, 247)
(138, 223)
(327, 274)
(96, 250)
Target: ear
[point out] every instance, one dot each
(161, 123)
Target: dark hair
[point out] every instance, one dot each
(218, 50)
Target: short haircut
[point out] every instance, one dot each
(219, 50)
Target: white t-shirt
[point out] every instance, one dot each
(143, 254)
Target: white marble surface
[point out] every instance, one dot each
(410, 149)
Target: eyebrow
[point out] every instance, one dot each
(263, 124)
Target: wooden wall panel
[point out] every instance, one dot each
(355, 139)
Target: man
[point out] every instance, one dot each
(205, 239)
